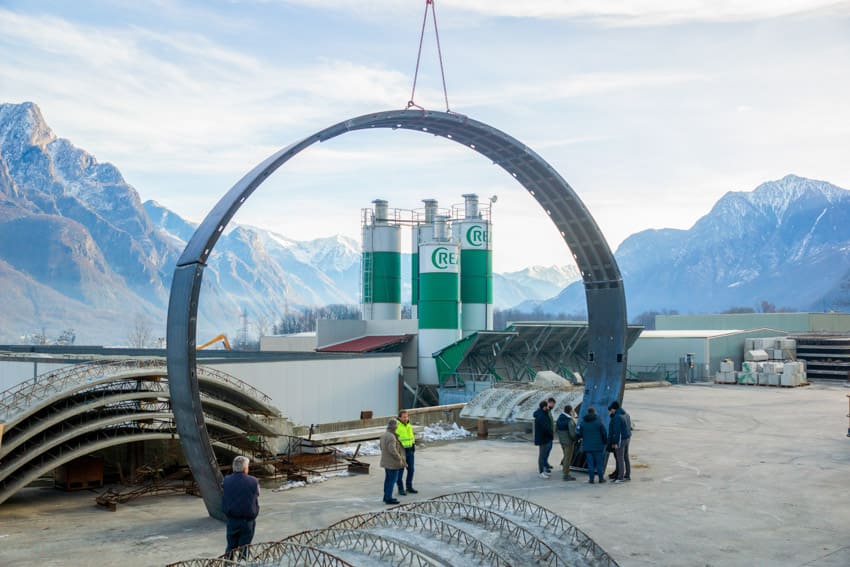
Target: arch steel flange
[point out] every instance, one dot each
(606, 303)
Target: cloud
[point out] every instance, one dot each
(610, 12)
(178, 99)
(575, 86)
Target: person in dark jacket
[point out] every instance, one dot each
(619, 436)
(240, 504)
(543, 436)
(593, 436)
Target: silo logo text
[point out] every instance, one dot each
(442, 258)
(476, 235)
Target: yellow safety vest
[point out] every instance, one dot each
(405, 434)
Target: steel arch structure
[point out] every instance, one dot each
(603, 285)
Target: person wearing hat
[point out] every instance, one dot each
(619, 436)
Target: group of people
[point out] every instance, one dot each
(398, 450)
(241, 491)
(596, 440)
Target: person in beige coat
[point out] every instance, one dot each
(392, 460)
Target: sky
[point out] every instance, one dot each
(650, 109)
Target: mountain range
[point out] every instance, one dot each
(79, 249)
(785, 245)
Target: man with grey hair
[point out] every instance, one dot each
(392, 460)
(240, 505)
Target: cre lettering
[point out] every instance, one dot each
(476, 235)
(442, 258)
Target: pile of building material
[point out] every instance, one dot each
(767, 362)
(770, 348)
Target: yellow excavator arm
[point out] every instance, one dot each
(215, 339)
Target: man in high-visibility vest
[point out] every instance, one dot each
(404, 432)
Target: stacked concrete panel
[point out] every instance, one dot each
(794, 374)
(756, 371)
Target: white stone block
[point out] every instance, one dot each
(773, 379)
(795, 367)
(746, 377)
(727, 366)
(725, 377)
(757, 354)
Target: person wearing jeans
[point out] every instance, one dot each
(593, 435)
(239, 502)
(404, 432)
(543, 437)
(392, 460)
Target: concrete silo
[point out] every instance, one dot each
(380, 264)
(439, 294)
(420, 232)
(476, 267)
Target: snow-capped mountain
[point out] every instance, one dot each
(531, 284)
(787, 243)
(79, 249)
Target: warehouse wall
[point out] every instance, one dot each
(324, 390)
(732, 346)
(798, 322)
(649, 352)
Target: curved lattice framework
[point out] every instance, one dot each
(29, 396)
(383, 548)
(435, 527)
(606, 304)
(542, 553)
(447, 530)
(543, 517)
(61, 415)
(291, 553)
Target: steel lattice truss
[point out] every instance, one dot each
(386, 549)
(64, 414)
(542, 553)
(290, 553)
(29, 394)
(433, 526)
(446, 530)
(548, 520)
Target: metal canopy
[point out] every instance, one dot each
(606, 303)
(518, 353)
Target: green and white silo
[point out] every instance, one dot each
(422, 230)
(380, 264)
(439, 296)
(476, 267)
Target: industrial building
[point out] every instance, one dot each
(688, 355)
(822, 340)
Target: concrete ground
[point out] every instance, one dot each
(722, 475)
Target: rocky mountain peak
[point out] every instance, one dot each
(21, 126)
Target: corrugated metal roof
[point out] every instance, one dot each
(369, 343)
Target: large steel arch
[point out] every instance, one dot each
(606, 303)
